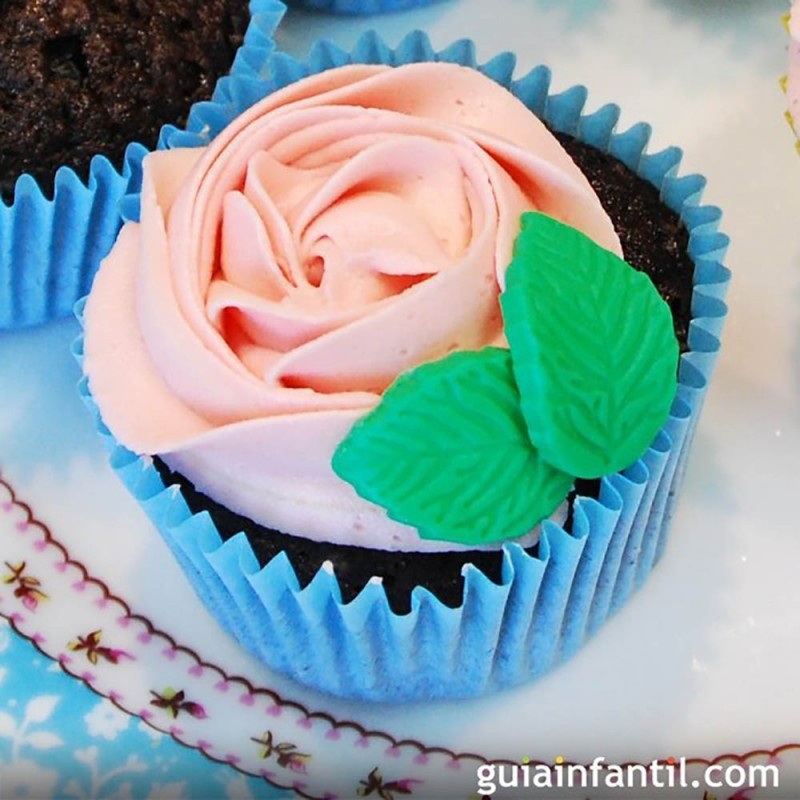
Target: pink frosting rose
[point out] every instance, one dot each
(347, 228)
(793, 77)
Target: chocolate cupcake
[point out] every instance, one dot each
(79, 82)
(654, 240)
(318, 600)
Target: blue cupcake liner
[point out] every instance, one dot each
(359, 7)
(546, 605)
(51, 247)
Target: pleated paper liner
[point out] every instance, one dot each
(546, 605)
(51, 247)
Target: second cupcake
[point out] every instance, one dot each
(80, 83)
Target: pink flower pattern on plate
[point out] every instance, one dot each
(27, 589)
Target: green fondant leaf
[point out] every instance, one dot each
(447, 452)
(594, 350)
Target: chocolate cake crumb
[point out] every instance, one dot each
(655, 241)
(652, 241)
(81, 77)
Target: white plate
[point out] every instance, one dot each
(704, 660)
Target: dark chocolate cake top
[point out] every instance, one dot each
(81, 77)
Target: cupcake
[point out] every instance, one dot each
(78, 83)
(793, 74)
(357, 238)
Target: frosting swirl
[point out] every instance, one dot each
(345, 229)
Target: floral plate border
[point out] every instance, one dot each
(108, 647)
